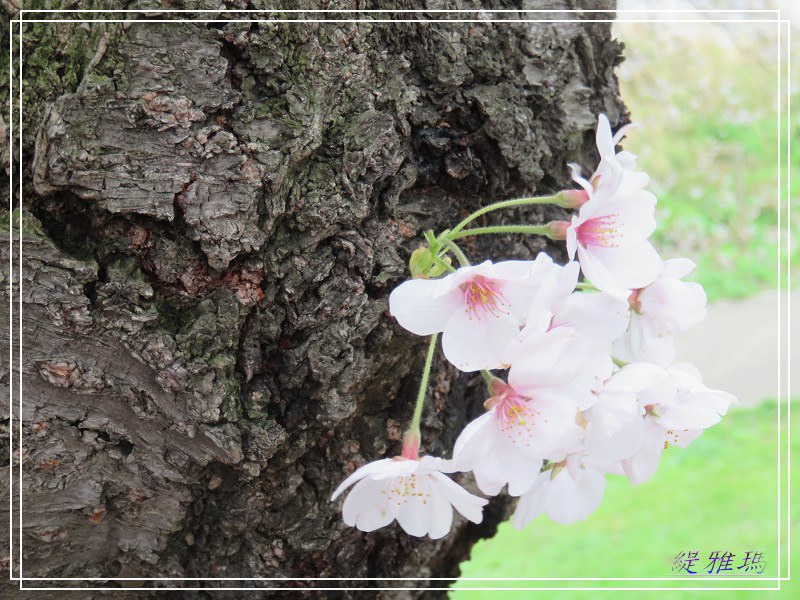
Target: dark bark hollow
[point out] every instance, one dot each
(214, 218)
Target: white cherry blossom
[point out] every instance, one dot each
(610, 234)
(665, 307)
(611, 230)
(479, 309)
(529, 419)
(677, 408)
(415, 492)
(567, 492)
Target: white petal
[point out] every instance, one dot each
(414, 305)
(618, 270)
(598, 316)
(546, 361)
(365, 507)
(472, 344)
(556, 432)
(635, 377)
(531, 503)
(603, 138)
(467, 504)
(571, 500)
(385, 465)
(640, 344)
(670, 305)
(440, 513)
(677, 268)
(408, 508)
(641, 466)
(474, 441)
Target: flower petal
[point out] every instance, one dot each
(479, 343)
(467, 504)
(414, 305)
(365, 508)
(385, 465)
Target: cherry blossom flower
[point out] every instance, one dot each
(610, 231)
(567, 492)
(415, 492)
(529, 419)
(677, 407)
(479, 309)
(663, 308)
(595, 317)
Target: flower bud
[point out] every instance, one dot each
(572, 198)
(557, 230)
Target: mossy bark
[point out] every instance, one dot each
(215, 216)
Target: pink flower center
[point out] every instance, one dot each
(483, 296)
(600, 231)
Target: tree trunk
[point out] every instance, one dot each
(214, 216)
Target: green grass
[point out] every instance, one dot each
(720, 493)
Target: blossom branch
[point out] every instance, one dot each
(505, 204)
(500, 229)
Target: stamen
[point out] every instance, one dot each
(600, 231)
(482, 296)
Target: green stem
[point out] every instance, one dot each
(586, 286)
(503, 204)
(443, 264)
(453, 247)
(487, 376)
(423, 385)
(618, 362)
(529, 229)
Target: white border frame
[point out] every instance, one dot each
(776, 18)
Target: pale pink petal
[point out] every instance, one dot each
(531, 503)
(596, 367)
(406, 502)
(414, 306)
(440, 513)
(385, 465)
(641, 466)
(475, 441)
(635, 377)
(678, 268)
(546, 360)
(603, 138)
(467, 504)
(684, 415)
(640, 344)
(618, 270)
(670, 306)
(472, 344)
(598, 316)
(571, 500)
(365, 508)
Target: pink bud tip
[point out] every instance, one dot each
(572, 198)
(557, 230)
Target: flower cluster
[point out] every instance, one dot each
(591, 386)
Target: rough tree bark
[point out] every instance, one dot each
(214, 216)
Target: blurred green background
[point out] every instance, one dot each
(704, 97)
